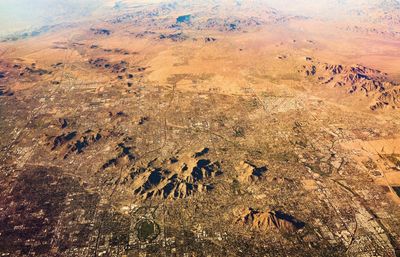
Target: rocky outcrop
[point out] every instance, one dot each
(104, 32)
(356, 79)
(114, 67)
(266, 221)
(4, 89)
(176, 37)
(248, 172)
(180, 177)
(28, 71)
(74, 142)
(209, 39)
(124, 156)
(34, 71)
(229, 23)
(388, 98)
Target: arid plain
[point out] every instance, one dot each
(203, 128)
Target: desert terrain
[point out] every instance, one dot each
(202, 128)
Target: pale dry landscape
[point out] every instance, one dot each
(200, 128)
